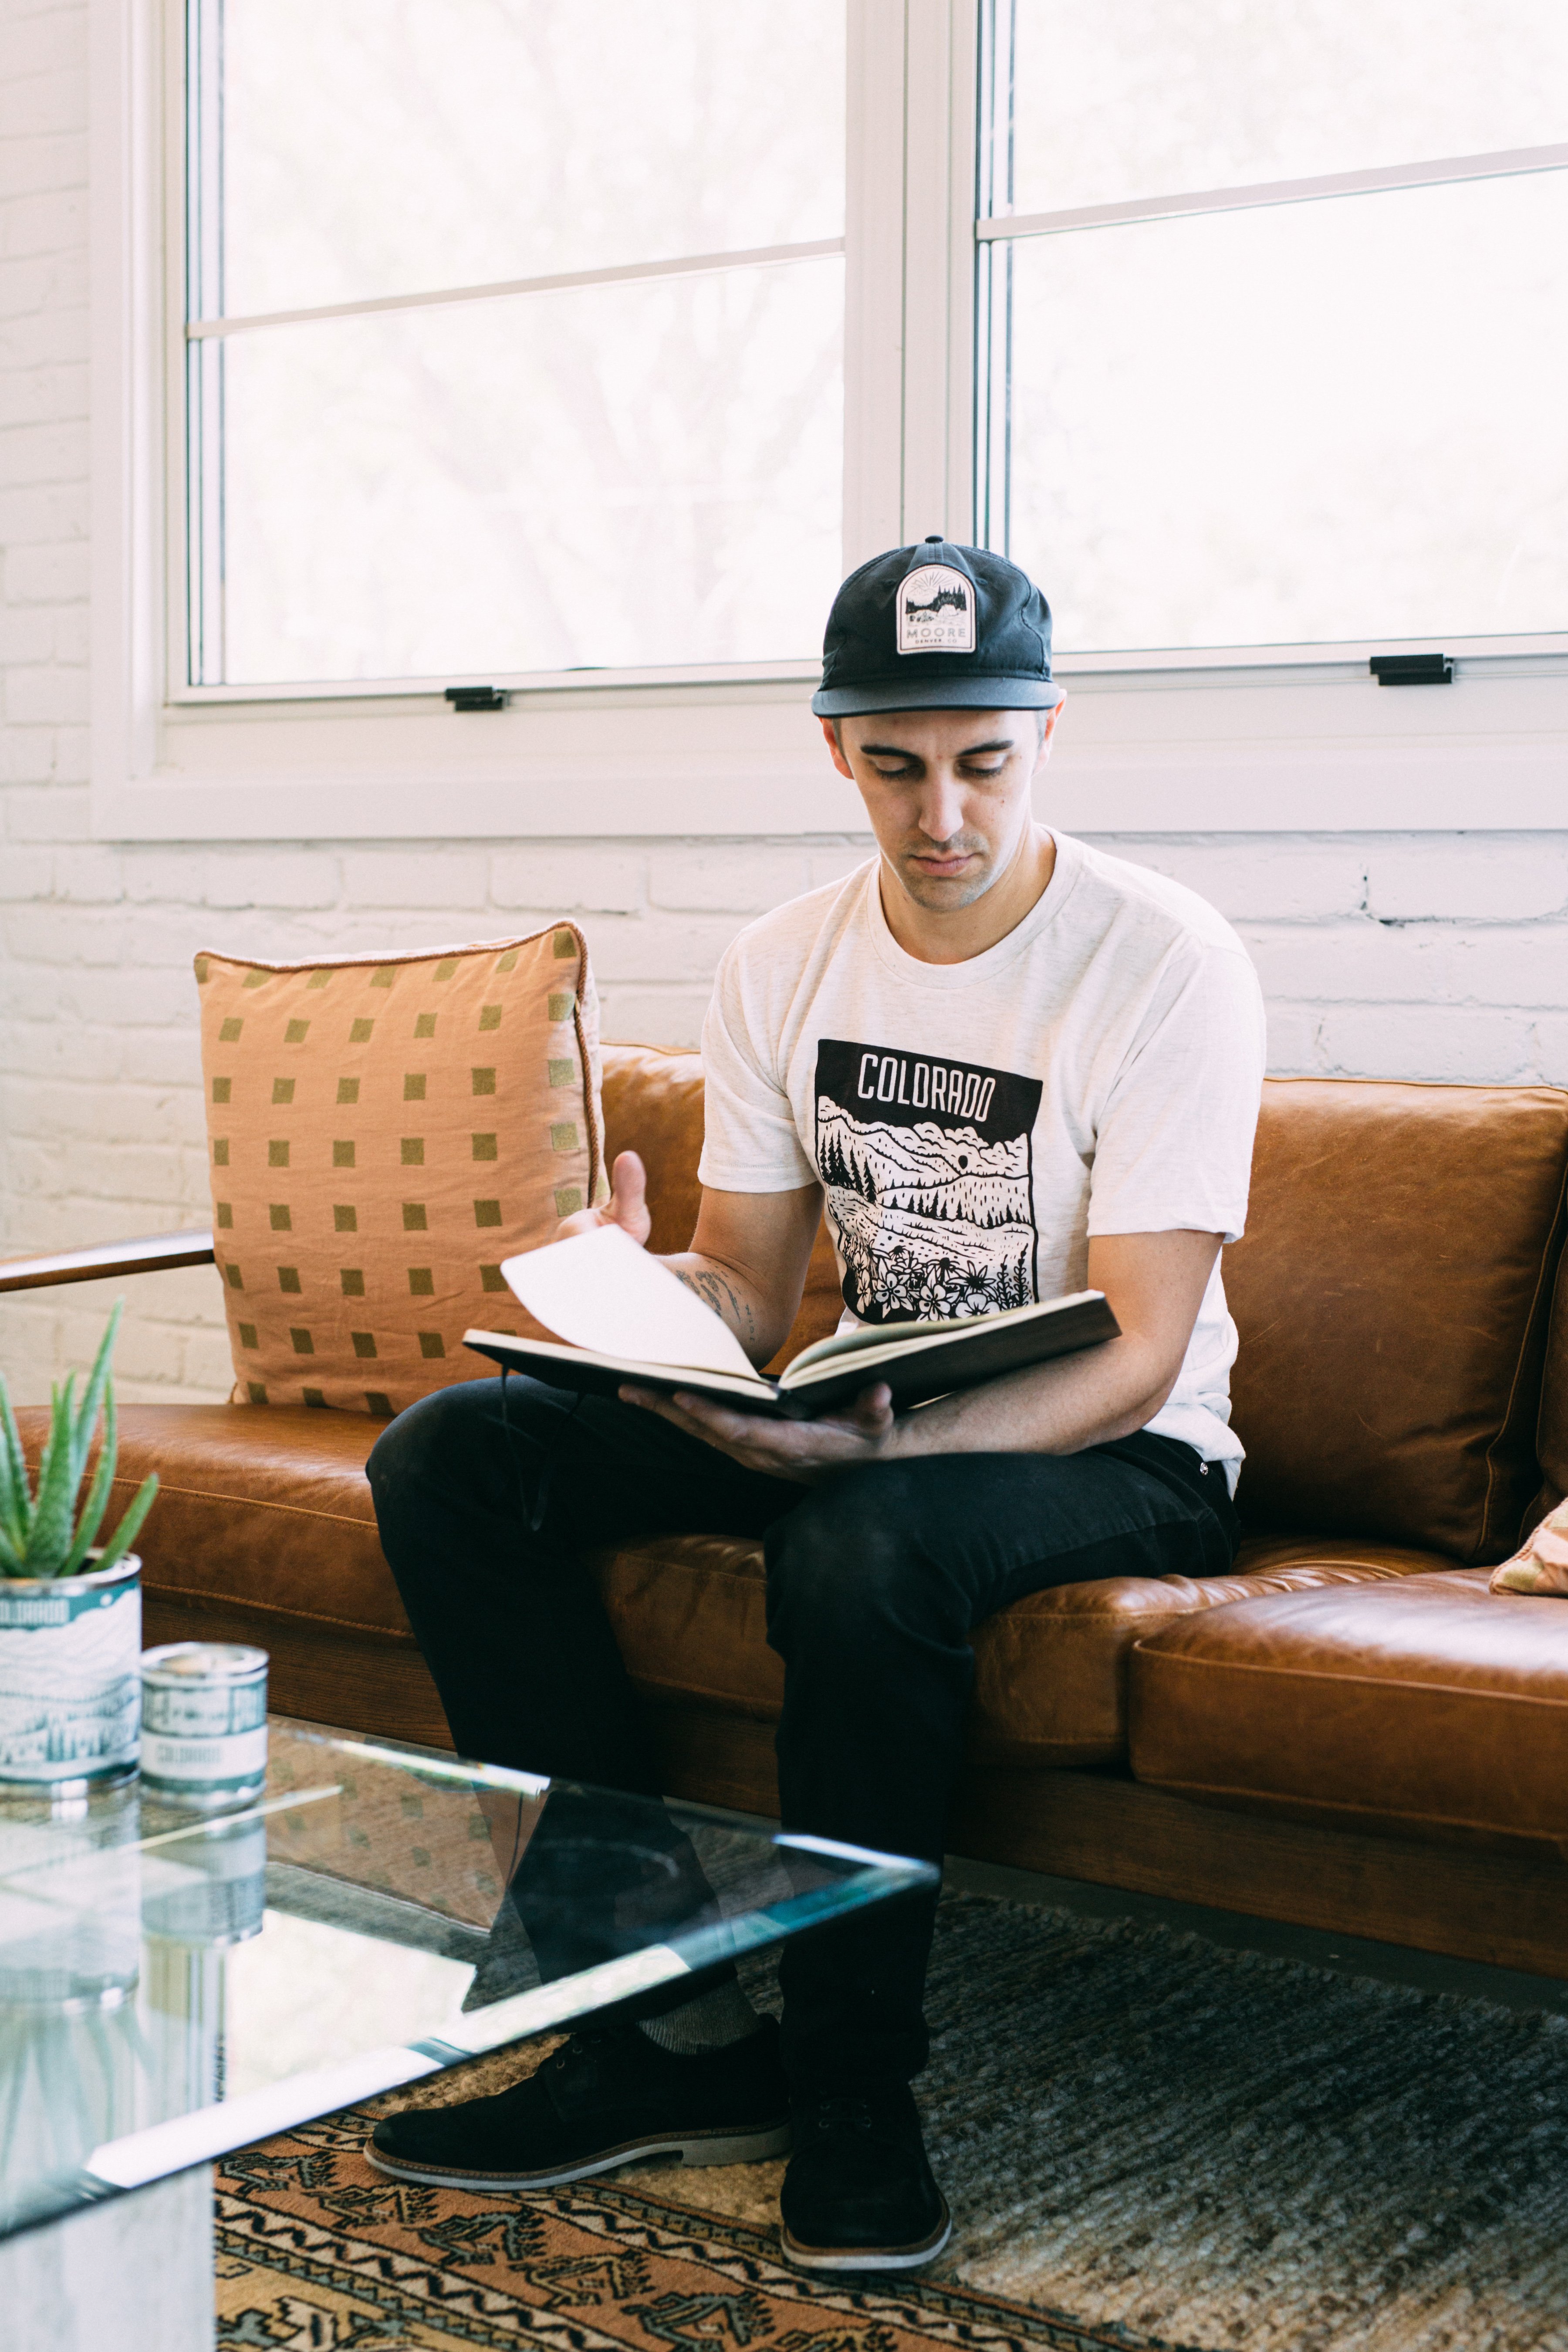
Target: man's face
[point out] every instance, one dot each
(947, 792)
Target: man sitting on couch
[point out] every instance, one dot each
(1011, 1067)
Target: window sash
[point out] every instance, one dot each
(998, 230)
(198, 331)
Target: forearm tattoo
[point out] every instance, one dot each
(720, 1296)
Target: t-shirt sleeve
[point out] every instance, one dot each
(749, 1140)
(1173, 1149)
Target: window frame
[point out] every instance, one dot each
(1256, 739)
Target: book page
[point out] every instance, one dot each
(599, 1290)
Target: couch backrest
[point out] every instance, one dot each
(1393, 1295)
(1552, 1430)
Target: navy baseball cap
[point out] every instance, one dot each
(937, 627)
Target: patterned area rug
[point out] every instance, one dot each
(1148, 2143)
(316, 2252)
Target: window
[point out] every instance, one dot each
(514, 336)
(1324, 399)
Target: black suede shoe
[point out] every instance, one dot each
(608, 2098)
(858, 2194)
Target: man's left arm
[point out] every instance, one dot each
(1154, 1284)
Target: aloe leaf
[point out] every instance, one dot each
(98, 1493)
(46, 1450)
(15, 1498)
(50, 1538)
(129, 1527)
(10, 1557)
(86, 1421)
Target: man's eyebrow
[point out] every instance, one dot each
(970, 752)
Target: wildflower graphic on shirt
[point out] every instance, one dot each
(926, 1167)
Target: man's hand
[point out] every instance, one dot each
(626, 1206)
(803, 1451)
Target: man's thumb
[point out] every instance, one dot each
(628, 1203)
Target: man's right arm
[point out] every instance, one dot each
(748, 1256)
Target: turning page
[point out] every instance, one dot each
(599, 1290)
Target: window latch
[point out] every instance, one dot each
(477, 697)
(1413, 669)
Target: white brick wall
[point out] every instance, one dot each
(1428, 956)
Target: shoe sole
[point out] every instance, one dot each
(868, 2258)
(694, 2148)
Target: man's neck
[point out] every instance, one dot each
(956, 935)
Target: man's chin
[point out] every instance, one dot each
(946, 893)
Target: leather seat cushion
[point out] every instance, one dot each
(1425, 1708)
(1051, 1686)
(264, 1508)
(264, 1511)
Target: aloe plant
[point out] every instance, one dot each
(42, 1534)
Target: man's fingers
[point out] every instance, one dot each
(869, 1416)
(694, 1412)
(802, 1451)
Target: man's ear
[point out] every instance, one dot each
(835, 749)
(1046, 731)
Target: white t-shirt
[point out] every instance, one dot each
(972, 1125)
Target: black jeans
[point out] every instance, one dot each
(876, 1580)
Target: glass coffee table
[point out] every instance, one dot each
(173, 1986)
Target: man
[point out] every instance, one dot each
(1014, 1068)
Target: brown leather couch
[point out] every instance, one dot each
(1348, 1731)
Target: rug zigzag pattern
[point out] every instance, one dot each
(318, 2253)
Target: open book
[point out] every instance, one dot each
(628, 1321)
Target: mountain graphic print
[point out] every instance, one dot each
(927, 1170)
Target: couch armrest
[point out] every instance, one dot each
(147, 1255)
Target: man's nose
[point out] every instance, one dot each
(941, 809)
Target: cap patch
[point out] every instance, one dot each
(936, 611)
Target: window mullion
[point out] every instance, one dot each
(204, 366)
(874, 276)
(993, 274)
(938, 268)
(962, 95)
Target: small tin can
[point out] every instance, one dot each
(203, 1724)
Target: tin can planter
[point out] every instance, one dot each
(70, 1686)
(204, 1732)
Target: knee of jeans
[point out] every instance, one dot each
(850, 1556)
(421, 1438)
